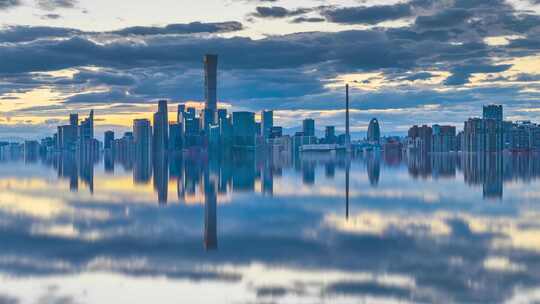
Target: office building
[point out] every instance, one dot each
(221, 115)
(374, 132)
(175, 136)
(74, 119)
(493, 128)
(330, 135)
(180, 113)
(244, 129)
(142, 136)
(66, 138)
(108, 140)
(276, 132)
(142, 139)
(494, 112)
(473, 135)
(267, 122)
(444, 139)
(308, 127)
(420, 139)
(161, 128)
(86, 129)
(210, 84)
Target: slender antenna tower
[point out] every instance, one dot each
(347, 130)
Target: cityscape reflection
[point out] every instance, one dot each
(256, 172)
(321, 227)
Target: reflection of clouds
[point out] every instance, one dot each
(379, 223)
(522, 231)
(35, 206)
(292, 247)
(502, 264)
(43, 206)
(6, 299)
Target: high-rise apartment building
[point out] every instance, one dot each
(444, 138)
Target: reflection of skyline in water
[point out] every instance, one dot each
(395, 237)
(252, 172)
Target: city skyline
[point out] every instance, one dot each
(269, 151)
(440, 62)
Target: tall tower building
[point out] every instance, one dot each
(142, 135)
(493, 128)
(210, 81)
(161, 127)
(267, 119)
(374, 131)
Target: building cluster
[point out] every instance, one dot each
(214, 128)
(488, 134)
(75, 137)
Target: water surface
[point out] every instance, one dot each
(249, 228)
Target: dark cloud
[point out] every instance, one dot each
(445, 18)
(51, 16)
(7, 4)
(21, 33)
(367, 14)
(103, 78)
(278, 12)
(51, 5)
(461, 74)
(307, 20)
(418, 76)
(369, 289)
(189, 28)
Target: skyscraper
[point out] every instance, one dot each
(244, 130)
(210, 81)
(308, 127)
(330, 135)
(374, 132)
(161, 127)
(493, 112)
(74, 119)
(180, 113)
(493, 128)
(444, 138)
(267, 120)
(108, 140)
(142, 134)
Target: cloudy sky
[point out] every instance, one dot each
(409, 62)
